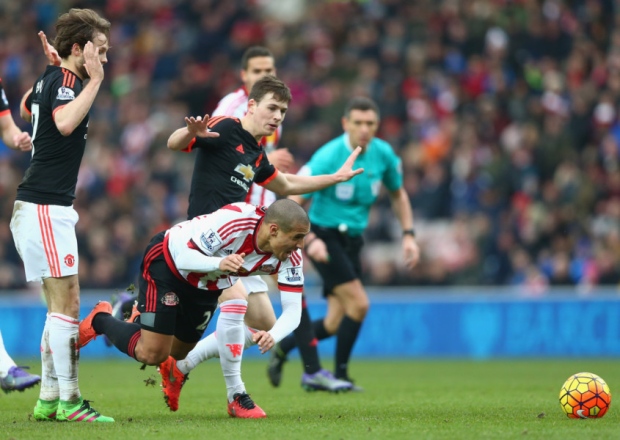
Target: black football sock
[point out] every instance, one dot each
(123, 335)
(306, 342)
(319, 330)
(347, 334)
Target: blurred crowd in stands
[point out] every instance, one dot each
(505, 113)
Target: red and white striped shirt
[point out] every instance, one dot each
(236, 104)
(195, 248)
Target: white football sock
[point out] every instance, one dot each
(207, 348)
(230, 341)
(49, 379)
(6, 362)
(63, 341)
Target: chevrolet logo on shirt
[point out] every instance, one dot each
(246, 171)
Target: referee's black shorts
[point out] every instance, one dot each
(344, 258)
(169, 305)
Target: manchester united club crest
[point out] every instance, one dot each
(69, 260)
(170, 299)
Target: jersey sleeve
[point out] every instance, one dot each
(291, 274)
(28, 103)
(63, 89)
(290, 283)
(204, 242)
(220, 124)
(265, 172)
(393, 175)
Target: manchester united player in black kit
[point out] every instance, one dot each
(43, 221)
(229, 159)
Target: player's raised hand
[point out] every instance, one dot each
(197, 126)
(264, 340)
(92, 63)
(346, 171)
(23, 141)
(50, 52)
(281, 158)
(232, 263)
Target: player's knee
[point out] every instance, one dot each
(152, 356)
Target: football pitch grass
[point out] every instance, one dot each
(413, 399)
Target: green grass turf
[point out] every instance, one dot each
(512, 399)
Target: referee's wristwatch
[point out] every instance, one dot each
(409, 232)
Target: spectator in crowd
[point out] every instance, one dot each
(505, 115)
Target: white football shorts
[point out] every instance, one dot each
(254, 284)
(44, 236)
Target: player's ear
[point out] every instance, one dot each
(76, 49)
(273, 229)
(252, 105)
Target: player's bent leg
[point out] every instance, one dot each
(260, 314)
(334, 315)
(353, 299)
(180, 349)
(153, 348)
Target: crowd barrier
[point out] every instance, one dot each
(412, 323)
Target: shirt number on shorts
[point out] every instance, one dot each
(208, 315)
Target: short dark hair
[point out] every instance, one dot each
(270, 84)
(78, 26)
(361, 103)
(287, 214)
(254, 52)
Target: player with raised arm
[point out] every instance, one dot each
(43, 220)
(339, 217)
(225, 168)
(184, 271)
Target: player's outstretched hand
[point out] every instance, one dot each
(92, 63)
(346, 171)
(50, 52)
(264, 340)
(22, 141)
(232, 263)
(282, 159)
(197, 126)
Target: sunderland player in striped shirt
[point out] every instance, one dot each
(256, 62)
(188, 267)
(229, 159)
(12, 377)
(225, 168)
(43, 220)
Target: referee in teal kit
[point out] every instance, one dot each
(339, 216)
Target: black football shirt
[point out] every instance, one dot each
(226, 167)
(52, 175)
